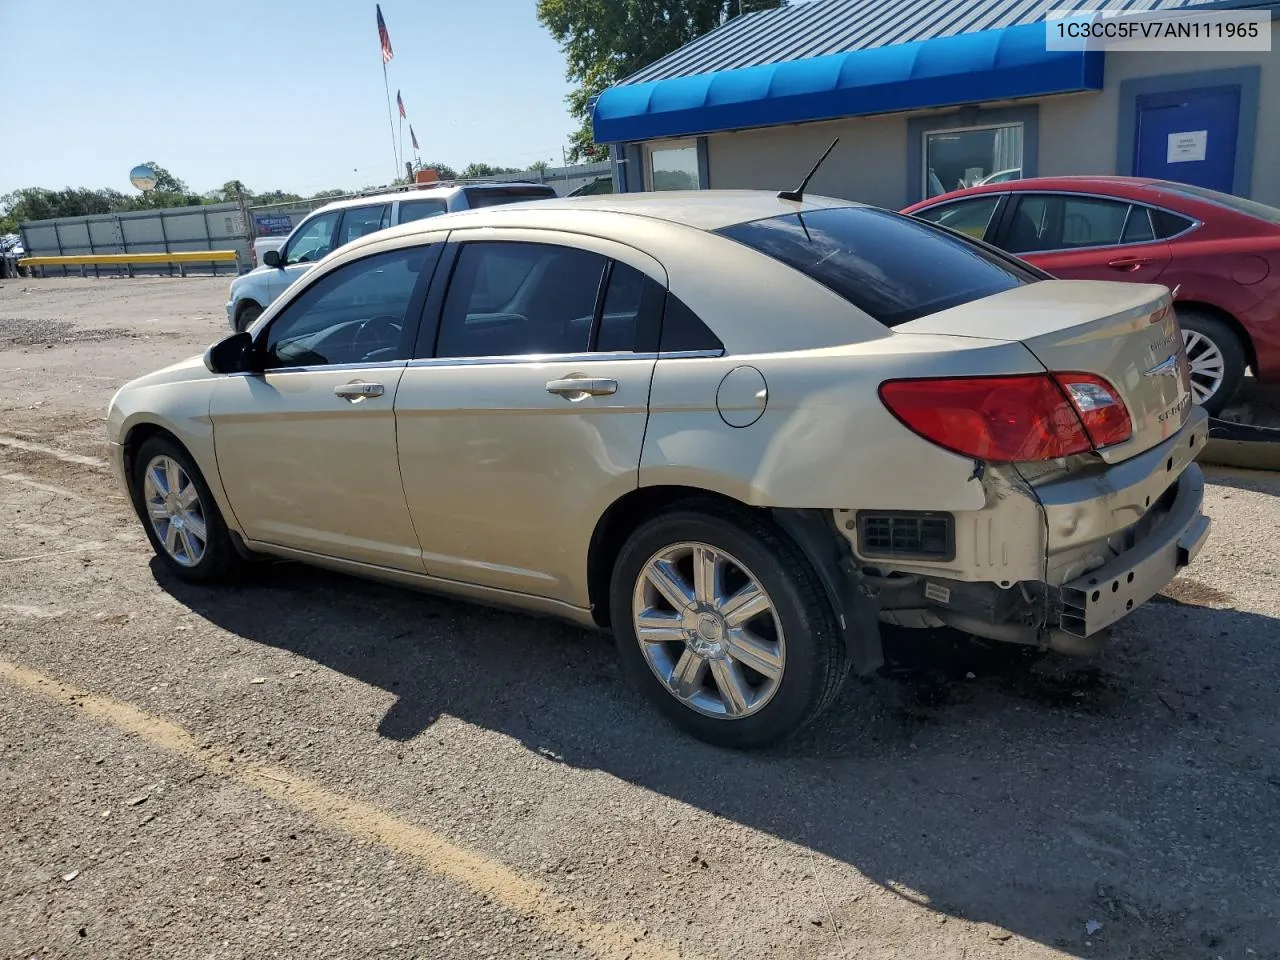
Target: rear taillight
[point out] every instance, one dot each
(1012, 419)
(1102, 412)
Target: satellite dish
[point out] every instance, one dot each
(143, 177)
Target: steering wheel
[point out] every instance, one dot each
(373, 333)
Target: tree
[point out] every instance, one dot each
(605, 41)
(539, 166)
(474, 171)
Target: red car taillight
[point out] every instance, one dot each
(1012, 419)
(1102, 412)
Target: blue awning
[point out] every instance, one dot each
(947, 71)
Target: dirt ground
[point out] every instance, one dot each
(305, 765)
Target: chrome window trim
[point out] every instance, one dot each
(540, 358)
(322, 367)
(1195, 222)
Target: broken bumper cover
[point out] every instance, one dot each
(1098, 599)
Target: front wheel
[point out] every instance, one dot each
(724, 624)
(179, 514)
(1216, 357)
(246, 315)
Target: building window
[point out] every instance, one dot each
(674, 166)
(965, 156)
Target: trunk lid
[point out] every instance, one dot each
(1125, 333)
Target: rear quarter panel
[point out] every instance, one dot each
(825, 440)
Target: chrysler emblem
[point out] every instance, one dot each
(1169, 368)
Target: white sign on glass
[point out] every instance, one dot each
(1187, 147)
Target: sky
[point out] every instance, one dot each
(283, 95)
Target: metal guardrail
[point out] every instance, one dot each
(128, 261)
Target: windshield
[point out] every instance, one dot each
(892, 267)
(1250, 208)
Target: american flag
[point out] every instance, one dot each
(412, 138)
(400, 104)
(383, 37)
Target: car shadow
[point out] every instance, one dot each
(1032, 792)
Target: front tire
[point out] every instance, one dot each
(723, 623)
(179, 514)
(246, 314)
(1217, 359)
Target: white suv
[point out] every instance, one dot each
(338, 223)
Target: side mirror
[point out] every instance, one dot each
(271, 258)
(233, 354)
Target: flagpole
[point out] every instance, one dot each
(402, 137)
(390, 120)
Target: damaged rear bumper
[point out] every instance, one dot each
(1098, 599)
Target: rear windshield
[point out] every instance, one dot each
(495, 196)
(892, 267)
(1250, 208)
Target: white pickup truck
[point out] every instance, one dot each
(281, 260)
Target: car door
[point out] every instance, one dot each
(306, 448)
(1082, 237)
(311, 241)
(525, 415)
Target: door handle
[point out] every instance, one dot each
(1128, 263)
(580, 387)
(358, 390)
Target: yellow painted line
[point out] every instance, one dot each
(108, 259)
(479, 873)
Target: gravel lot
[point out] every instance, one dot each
(306, 765)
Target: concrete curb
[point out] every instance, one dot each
(1242, 445)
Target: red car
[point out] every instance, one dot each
(1220, 255)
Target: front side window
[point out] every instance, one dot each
(514, 299)
(355, 314)
(674, 167)
(411, 210)
(313, 240)
(956, 159)
(362, 221)
(893, 268)
(970, 217)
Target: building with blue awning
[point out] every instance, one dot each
(928, 97)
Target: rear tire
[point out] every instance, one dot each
(246, 314)
(1217, 359)
(179, 514)
(747, 653)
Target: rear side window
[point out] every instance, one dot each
(411, 210)
(1170, 224)
(892, 267)
(496, 196)
(683, 330)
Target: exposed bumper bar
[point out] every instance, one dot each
(1093, 602)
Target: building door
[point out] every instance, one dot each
(1189, 136)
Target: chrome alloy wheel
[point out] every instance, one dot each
(173, 507)
(1208, 368)
(708, 630)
